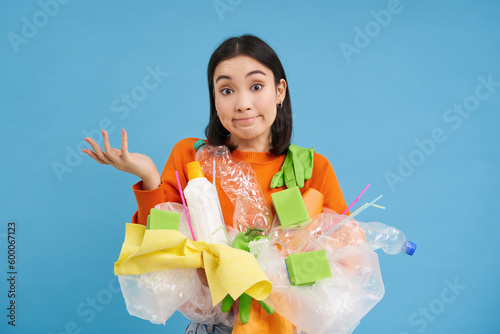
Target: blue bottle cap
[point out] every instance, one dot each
(199, 144)
(409, 247)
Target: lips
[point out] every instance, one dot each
(246, 119)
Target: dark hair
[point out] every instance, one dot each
(252, 46)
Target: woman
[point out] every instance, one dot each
(250, 112)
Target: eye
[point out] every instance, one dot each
(226, 91)
(256, 87)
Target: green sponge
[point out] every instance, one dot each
(306, 268)
(163, 220)
(290, 206)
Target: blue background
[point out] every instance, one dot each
(365, 111)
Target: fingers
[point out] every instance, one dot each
(124, 145)
(227, 302)
(97, 151)
(298, 171)
(289, 176)
(266, 307)
(107, 147)
(116, 151)
(94, 156)
(277, 180)
(245, 307)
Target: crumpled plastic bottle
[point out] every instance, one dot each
(388, 238)
(239, 182)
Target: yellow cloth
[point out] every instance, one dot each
(229, 270)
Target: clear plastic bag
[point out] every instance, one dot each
(331, 305)
(198, 307)
(157, 295)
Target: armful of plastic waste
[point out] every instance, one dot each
(325, 274)
(355, 286)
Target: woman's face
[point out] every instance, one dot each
(245, 99)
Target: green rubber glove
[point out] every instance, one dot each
(242, 241)
(245, 306)
(296, 168)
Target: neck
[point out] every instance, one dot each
(252, 145)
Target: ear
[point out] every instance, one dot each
(281, 91)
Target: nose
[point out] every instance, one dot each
(244, 102)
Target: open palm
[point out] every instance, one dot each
(134, 163)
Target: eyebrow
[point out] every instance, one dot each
(246, 76)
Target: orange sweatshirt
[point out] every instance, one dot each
(265, 166)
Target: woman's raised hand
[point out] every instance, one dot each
(133, 163)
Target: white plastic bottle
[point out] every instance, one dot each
(203, 208)
(390, 239)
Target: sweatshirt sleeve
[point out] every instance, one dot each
(182, 153)
(325, 181)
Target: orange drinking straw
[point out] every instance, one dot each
(184, 203)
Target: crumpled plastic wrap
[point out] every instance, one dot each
(331, 305)
(198, 308)
(157, 295)
(312, 234)
(239, 181)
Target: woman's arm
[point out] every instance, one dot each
(166, 190)
(325, 181)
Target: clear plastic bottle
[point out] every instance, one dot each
(390, 239)
(203, 208)
(239, 182)
(206, 154)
